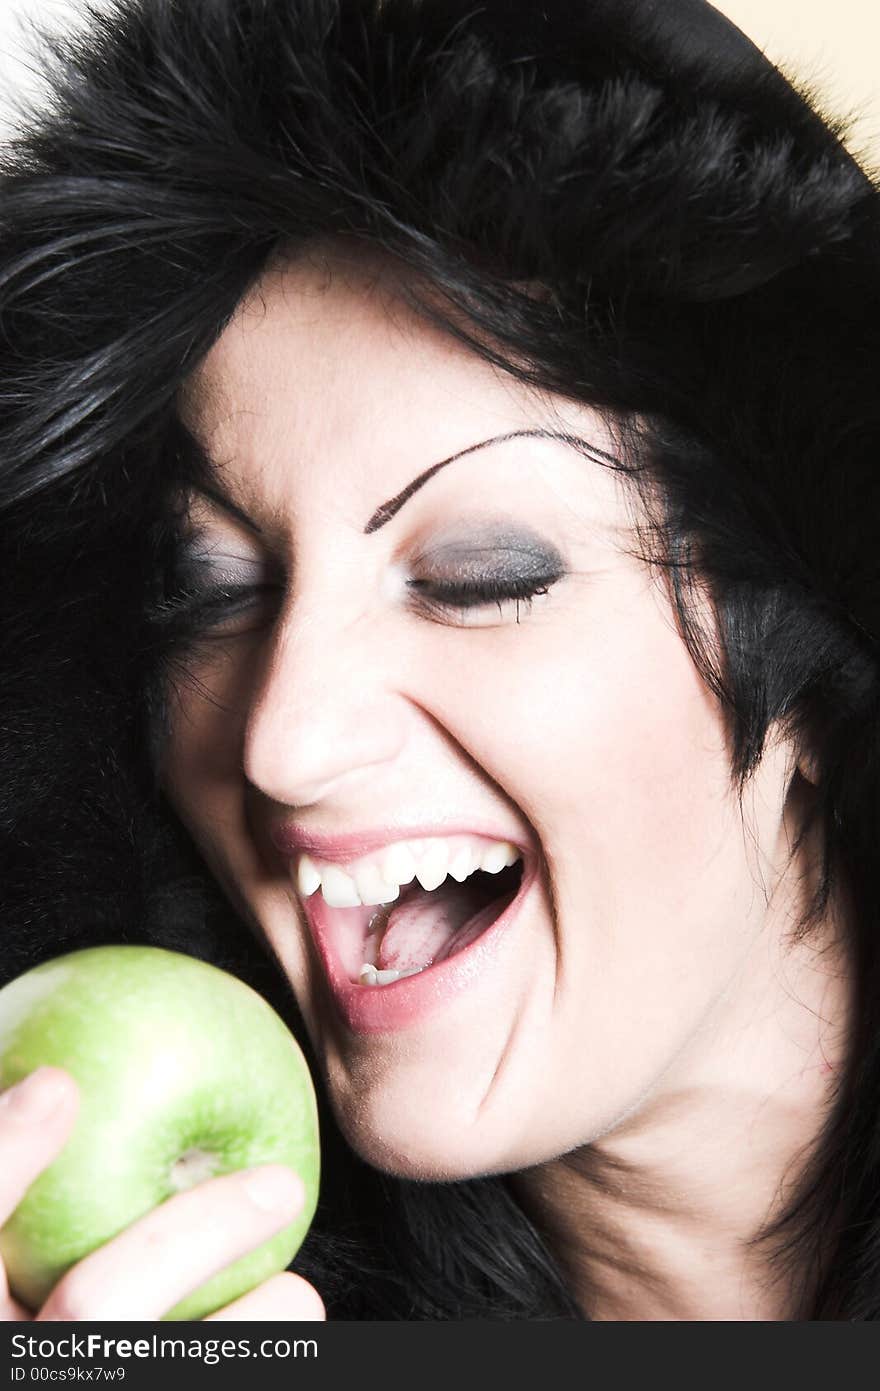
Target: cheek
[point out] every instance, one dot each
(201, 764)
(614, 748)
(598, 725)
(207, 713)
(653, 765)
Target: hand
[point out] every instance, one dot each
(163, 1256)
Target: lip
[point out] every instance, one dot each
(290, 839)
(376, 1009)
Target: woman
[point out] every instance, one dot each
(439, 470)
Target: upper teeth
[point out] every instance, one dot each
(377, 878)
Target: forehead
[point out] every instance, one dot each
(327, 378)
(337, 322)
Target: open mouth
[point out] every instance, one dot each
(423, 923)
(425, 927)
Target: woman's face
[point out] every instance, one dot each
(369, 696)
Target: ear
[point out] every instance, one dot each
(802, 760)
(808, 766)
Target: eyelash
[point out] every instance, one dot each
(463, 597)
(206, 609)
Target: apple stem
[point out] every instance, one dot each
(193, 1166)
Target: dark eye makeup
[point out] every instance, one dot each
(209, 588)
(474, 569)
(216, 594)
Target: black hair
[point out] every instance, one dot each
(709, 264)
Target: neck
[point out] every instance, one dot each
(666, 1216)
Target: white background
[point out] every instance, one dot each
(16, 69)
(13, 73)
(834, 44)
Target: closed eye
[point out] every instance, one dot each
(467, 598)
(218, 605)
(201, 607)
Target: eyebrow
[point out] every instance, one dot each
(228, 506)
(390, 509)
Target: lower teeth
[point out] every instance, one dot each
(370, 975)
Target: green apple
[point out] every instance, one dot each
(184, 1073)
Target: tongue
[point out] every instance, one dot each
(429, 927)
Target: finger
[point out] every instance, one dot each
(36, 1118)
(285, 1296)
(169, 1253)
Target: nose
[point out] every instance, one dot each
(325, 713)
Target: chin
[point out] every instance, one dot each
(411, 1141)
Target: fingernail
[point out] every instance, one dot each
(36, 1097)
(275, 1189)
